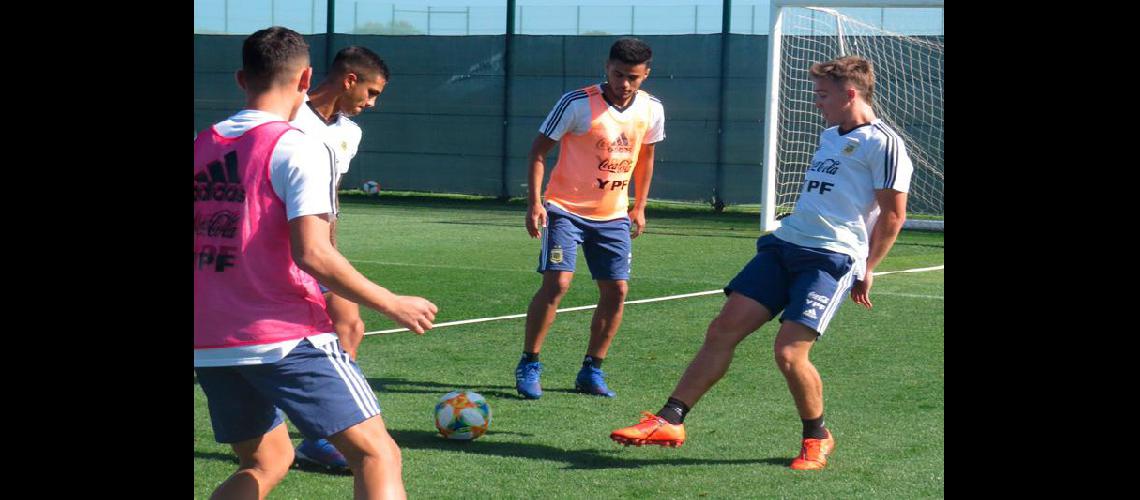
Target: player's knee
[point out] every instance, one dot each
(788, 357)
(271, 468)
(393, 451)
(615, 290)
(720, 334)
(356, 328)
(378, 450)
(557, 288)
(281, 466)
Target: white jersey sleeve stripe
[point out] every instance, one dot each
(890, 160)
(333, 175)
(556, 116)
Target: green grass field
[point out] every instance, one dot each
(882, 369)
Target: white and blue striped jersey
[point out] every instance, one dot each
(571, 115)
(837, 207)
(342, 135)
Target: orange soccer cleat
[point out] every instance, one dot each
(813, 453)
(652, 429)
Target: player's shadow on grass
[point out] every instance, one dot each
(574, 459)
(222, 457)
(297, 464)
(405, 386)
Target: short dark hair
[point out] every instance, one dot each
(270, 57)
(855, 70)
(631, 51)
(359, 60)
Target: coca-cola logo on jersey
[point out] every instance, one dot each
(223, 224)
(828, 166)
(616, 166)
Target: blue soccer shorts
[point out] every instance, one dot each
(320, 388)
(807, 284)
(607, 244)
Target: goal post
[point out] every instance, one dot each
(908, 97)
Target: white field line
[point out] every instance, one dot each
(644, 301)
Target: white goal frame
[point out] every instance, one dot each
(768, 220)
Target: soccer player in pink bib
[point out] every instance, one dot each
(263, 343)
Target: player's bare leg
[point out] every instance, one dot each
(793, 344)
(544, 306)
(262, 463)
(374, 458)
(607, 317)
(603, 327)
(539, 317)
(739, 317)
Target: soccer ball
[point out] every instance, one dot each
(462, 415)
(371, 187)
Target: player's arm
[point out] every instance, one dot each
(313, 252)
(301, 175)
(892, 214)
(642, 176)
(535, 212)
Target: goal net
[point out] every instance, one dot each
(908, 96)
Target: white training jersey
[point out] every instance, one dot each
(300, 170)
(302, 174)
(342, 135)
(572, 115)
(837, 207)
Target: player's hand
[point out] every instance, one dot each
(535, 220)
(413, 313)
(861, 292)
(637, 222)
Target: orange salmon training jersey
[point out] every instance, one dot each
(599, 148)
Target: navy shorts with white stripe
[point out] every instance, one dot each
(320, 388)
(807, 284)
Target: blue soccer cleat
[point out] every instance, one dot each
(321, 452)
(528, 379)
(593, 381)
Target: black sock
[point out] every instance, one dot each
(674, 411)
(592, 361)
(530, 357)
(814, 429)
